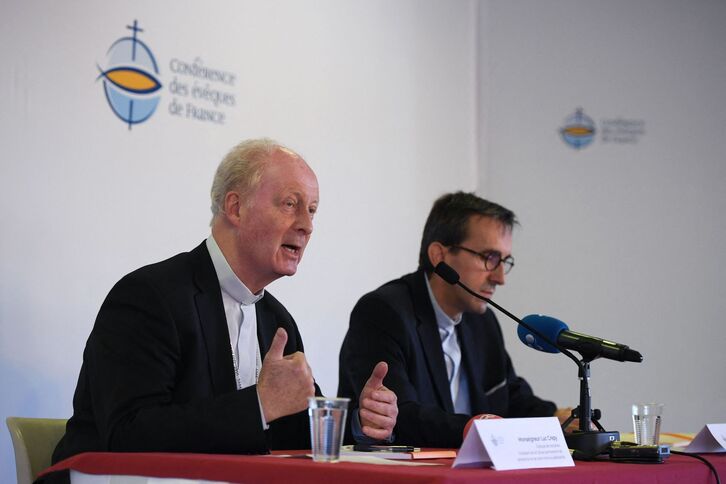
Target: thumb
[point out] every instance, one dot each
(379, 373)
(278, 345)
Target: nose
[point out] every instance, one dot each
(305, 222)
(497, 276)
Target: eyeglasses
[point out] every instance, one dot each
(491, 259)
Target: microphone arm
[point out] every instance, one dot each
(448, 274)
(530, 328)
(585, 442)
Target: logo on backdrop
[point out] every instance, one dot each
(130, 80)
(579, 130)
(132, 85)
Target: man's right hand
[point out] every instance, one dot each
(285, 382)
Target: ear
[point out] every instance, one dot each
(233, 208)
(436, 253)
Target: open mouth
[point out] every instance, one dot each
(292, 249)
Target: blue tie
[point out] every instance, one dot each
(458, 385)
(452, 357)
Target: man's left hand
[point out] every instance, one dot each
(562, 415)
(378, 408)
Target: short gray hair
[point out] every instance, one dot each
(241, 170)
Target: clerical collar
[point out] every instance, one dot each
(228, 280)
(442, 319)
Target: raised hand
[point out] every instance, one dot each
(378, 408)
(285, 382)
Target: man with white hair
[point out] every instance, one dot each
(192, 354)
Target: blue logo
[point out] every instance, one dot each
(579, 130)
(130, 80)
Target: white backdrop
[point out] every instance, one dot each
(376, 95)
(623, 238)
(393, 104)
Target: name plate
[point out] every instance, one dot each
(711, 438)
(515, 443)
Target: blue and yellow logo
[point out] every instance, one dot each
(579, 130)
(130, 80)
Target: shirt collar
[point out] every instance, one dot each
(442, 319)
(228, 280)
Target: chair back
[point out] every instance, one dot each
(34, 440)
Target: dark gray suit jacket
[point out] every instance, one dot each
(396, 323)
(157, 370)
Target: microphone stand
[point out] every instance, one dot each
(586, 443)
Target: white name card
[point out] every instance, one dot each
(711, 438)
(515, 443)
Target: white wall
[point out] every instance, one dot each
(392, 103)
(376, 95)
(619, 240)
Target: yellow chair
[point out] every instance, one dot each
(34, 440)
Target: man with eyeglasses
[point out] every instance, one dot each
(444, 347)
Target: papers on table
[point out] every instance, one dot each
(677, 441)
(372, 459)
(418, 454)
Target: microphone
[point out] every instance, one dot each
(449, 275)
(590, 347)
(557, 338)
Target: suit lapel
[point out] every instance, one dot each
(266, 326)
(428, 333)
(213, 321)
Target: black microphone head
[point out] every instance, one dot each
(632, 355)
(446, 272)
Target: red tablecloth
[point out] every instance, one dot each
(250, 469)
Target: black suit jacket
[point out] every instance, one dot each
(396, 323)
(157, 370)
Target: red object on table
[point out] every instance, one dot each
(481, 416)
